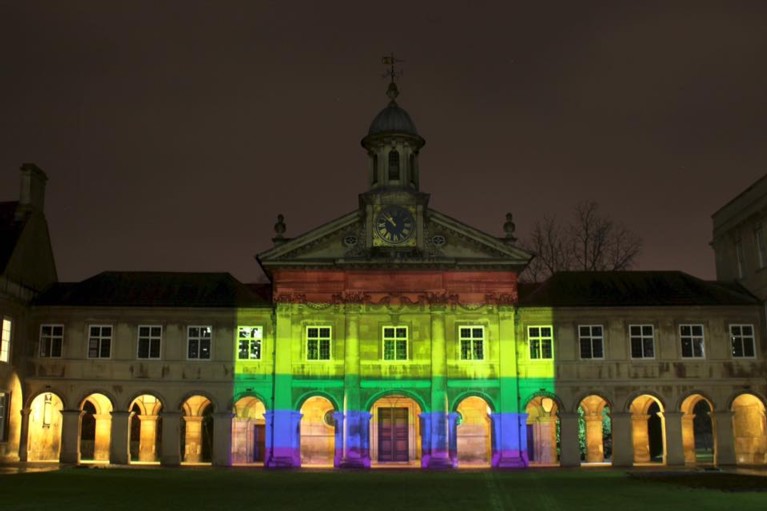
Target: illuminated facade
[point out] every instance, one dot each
(393, 335)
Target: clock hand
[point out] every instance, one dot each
(390, 219)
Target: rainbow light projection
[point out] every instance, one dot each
(389, 410)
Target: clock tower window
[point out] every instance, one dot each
(393, 166)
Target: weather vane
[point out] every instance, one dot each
(392, 73)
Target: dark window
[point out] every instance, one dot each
(393, 166)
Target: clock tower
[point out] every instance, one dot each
(393, 205)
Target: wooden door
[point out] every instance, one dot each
(393, 434)
(259, 442)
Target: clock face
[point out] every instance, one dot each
(394, 225)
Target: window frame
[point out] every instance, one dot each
(473, 341)
(642, 338)
(150, 337)
(199, 338)
(5, 343)
(732, 340)
(320, 339)
(591, 338)
(395, 339)
(539, 341)
(100, 338)
(692, 337)
(51, 337)
(251, 340)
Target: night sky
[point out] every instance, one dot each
(173, 133)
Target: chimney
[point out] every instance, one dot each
(32, 197)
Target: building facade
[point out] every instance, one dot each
(393, 335)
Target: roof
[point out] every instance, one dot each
(392, 119)
(632, 288)
(10, 229)
(157, 289)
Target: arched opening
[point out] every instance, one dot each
(44, 441)
(395, 430)
(473, 432)
(11, 403)
(749, 430)
(697, 430)
(648, 430)
(145, 429)
(317, 432)
(248, 431)
(595, 430)
(197, 430)
(542, 431)
(393, 166)
(95, 428)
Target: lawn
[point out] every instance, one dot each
(109, 489)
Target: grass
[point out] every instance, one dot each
(391, 490)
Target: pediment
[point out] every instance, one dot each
(444, 242)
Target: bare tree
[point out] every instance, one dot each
(590, 241)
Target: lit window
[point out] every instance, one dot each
(393, 166)
(100, 341)
(318, 343)
(742, 337)
(149, 338)
(472, 342)
(198, 342)
(249, 340)
(395, 343)
(761, 248)
(642, 341)
(5, 340)
(540, 340)
(691, 337)
(51, 340)
(591, 338)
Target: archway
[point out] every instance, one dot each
(44, 440)
(197, 430)
(473, 432)
(542, 431)
(95, 428)
(749, 430)
(317, 432)
(648, 430)
(145, 429)
(248, 431)
(595, 429)
(697, 430)
(395, 430)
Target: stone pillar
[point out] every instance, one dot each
(24, 435)
(425, 419)
(119, 424)
(569, 446)
(595, 444)
(355, 423)
(283, 439)
(241, 453)
(510, 433)
(222, 439)
(193, 439)
(674, 446)
(452, 421)
(103, 436)
(509, 423)
(623, 445)
(724, 444)
(688, 438)
(440, 448)
(338, 440)
(70, 436)
(545, 440)
(171, 439)
(640, 437)
(147, 445)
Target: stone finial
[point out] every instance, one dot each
(279, 229)
(509, 227)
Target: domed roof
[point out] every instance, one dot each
(392, 119)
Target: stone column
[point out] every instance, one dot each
(119, 424)
(103, 436)
(545, 440)
(193, 439)
(355, 423)
(222, 439)
(452, 428)
(623, 446)
(569, 446)
(595, 452)
(147, 445)
(509, 423)
(70, 436)
(674, 446)
(688, 438)
(24, 435)
(724, 444)
(640, 437)
(338, 439)
(171, 439)
(440, 448)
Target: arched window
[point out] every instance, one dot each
(393, 166)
